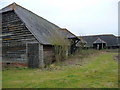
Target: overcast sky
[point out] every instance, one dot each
(81, 17)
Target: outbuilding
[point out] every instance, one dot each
(101, 41)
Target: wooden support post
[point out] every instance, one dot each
(97, 46)
(102, 46)
(41, 61)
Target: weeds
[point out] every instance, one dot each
(60, 44)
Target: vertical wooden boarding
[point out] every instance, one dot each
(33, 55)
(41, 60)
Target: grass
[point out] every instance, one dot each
(101, 71)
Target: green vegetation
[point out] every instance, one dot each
(99, 71)
(61, 45)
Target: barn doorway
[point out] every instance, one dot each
(99, 44)
(33, 55)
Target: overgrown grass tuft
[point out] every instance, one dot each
(79, 57)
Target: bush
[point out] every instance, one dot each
(60, 44)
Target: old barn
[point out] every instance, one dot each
(25, 37)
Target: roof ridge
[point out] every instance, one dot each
(100, 35)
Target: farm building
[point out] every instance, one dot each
(26, 37)
(101, 41)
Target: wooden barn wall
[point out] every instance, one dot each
(48, 52)
(15, 35)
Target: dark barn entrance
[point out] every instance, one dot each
(33, 55)
(99, 44)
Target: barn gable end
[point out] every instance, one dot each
(15, 36)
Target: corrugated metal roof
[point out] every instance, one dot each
(38, 26)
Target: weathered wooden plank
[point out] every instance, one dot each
(15, 35)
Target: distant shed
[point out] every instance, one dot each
(99, 44)
(104, 41)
